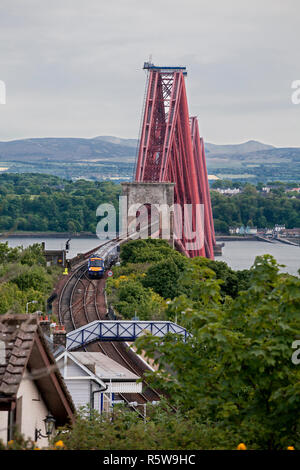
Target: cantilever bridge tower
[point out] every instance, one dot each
(171, 150)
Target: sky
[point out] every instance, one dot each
(74, 68)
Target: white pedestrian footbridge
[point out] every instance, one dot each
(120, 330)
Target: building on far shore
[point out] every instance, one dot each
(291, 233)
(279, 228)
(266, 189)
(296, 190)
(228, 191)
(243, 230)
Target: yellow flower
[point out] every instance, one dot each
(59, 444)
(290, 448)
(241, 446)
(10, 442)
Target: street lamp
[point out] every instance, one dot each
(135, 403)
(49, 422)
(31, 302)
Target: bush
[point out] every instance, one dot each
(24, 277)
(235, 369)
(163, 278)
(125, 430)
(146, 251)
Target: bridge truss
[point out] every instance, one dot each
(171, 150)
(120, 330)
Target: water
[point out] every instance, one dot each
(237, 254)
(241, 254)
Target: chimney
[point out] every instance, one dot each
(59, 336)
(44, 324)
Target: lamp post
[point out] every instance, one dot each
(144, 405)
(31, 302)
(49, 423)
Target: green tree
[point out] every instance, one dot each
(134, 299)
(235, 369)
(163, 278)
(24, 277)
(32, 277)
(125, 430)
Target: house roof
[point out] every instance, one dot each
(17, 336)
(103, 366)
(82, 367)
(26, 348)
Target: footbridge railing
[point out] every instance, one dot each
(120, 330)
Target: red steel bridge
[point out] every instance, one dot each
(171, 150)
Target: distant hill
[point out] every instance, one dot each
(117, 140)
(110, 157)
(100, 148)
(246, 147)
(67, 149)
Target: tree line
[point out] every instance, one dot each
(254, 208)
(40, 203)
(35, 202)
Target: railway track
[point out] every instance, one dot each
(81, 301)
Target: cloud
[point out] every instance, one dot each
(75, 69)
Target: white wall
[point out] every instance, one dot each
(34, 410)
(3, 425)
(79, 390)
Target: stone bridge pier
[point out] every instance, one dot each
(148, 208)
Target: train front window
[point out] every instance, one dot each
(97, 263)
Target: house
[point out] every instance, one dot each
(92, 378)
(243, 230)
(291, 233)
(279, 228)
(251, 230)
(229, 191)
(297, 190)
(266, 189)
(31, 386)
(95, 379)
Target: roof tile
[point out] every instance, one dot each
(18, 333)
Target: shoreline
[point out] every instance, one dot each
(91, 235)
(227, 238)
(49, 235)
(239, 238)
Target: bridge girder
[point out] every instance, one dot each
(171, 150)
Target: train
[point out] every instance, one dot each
(98, 263)
(96, 266)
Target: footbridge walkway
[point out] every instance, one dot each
(120, 330)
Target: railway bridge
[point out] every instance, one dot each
(170, 154)
(172, 151)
